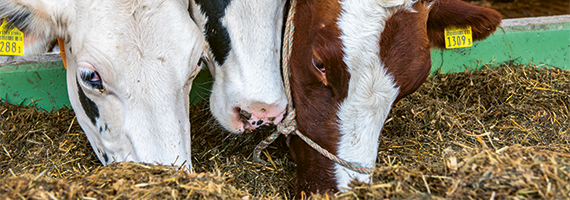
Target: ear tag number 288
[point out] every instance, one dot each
(11, 41)
(458, 37)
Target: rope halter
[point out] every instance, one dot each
(288, 125)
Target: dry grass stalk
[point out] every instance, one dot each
(488, 134)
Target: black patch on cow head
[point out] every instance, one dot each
(103, 129)
(19, 18)
(216, 34)
(105, 158)
(90, 108)
(18, 15)
(104, 154)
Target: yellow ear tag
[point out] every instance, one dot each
(61, 45)
(11, 41)
(458, 37)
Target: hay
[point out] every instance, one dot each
(123, 180)
(508, 173)
(493, 133)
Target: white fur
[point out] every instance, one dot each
(200, 20)
(250, 78)
(392, 3)
(371, 90)
(146, 54)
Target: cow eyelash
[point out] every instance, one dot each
(91, 78)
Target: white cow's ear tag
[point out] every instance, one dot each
(11, 41)
(458, 37)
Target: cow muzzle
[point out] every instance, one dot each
(255, 118)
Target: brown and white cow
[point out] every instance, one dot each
(351, 61)
(130, 67)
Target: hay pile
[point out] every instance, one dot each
(494, 133)
(122, 180)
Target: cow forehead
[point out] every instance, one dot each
(136, 40)
(262, 22)
(233, 24)
(344, 20)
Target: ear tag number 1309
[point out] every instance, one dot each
(458, 37)
(11, 41)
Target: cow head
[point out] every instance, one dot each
(244, 38)
(350, 61)
(130, 66)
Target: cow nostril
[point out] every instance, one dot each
(259, 122)
(244, 114)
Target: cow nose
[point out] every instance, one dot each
(253, 119)
(244, 114)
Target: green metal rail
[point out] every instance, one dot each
(539, 41)
(44, 85)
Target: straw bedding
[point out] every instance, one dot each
(496, 133)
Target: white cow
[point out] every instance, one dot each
(244, 40)
(130, 67)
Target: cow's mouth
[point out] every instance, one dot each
(251, 122)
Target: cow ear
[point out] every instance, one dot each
(41, 21)
(483, 21)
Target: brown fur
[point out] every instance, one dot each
(404, 48)
(313, 100)
(444, 13)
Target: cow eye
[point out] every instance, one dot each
(319, 65)
(91, 78)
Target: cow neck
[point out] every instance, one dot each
(289, 125)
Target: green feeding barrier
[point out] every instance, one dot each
(41, 84)
(44, 85)
(539, 41)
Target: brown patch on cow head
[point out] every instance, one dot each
(405, 49)
(317, 90)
